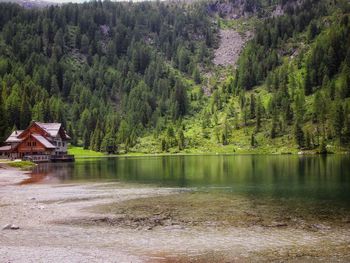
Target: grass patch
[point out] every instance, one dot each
(24, 165)
(81, 152)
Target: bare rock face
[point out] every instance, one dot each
(233, 9)
(230, 47)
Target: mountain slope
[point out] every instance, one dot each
(142, 77)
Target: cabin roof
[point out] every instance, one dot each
(13, 136)
(43, 141)
(50, 128)
(5, 148)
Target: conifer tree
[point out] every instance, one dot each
(323, 146)
(225, 132)
(253, 109)
(273, 132)
(338, 119)
(3, 120)
(252, 140)
(86, 140)
(181, 140)
(259, 113)
(196, 76)
(299, 135)
(25, 114)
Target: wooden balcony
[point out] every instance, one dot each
(62, 158)
(41, 158)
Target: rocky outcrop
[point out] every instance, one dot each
(230, 46)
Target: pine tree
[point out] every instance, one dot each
(3, 120)
(38, 111)
(347, 122)
(323, 146)
(338, 119)
(170, 136)
(13, 103)
(299, 106)
(273, 132)
(108, 143)
(86, 140)
(164, 145)
(181, 140)
(205, 119)
(299, 135)
(252, 140)
(123, 132)
(54, 88)
(196, 76)
(308, 82)
(225, 132)
(308, 140)
(320, 111)
(245, 115)
(25, 114)
(259, 113)
(253, 109)
(84, 46)
(345, 82)
(180, 97)
(183, 59)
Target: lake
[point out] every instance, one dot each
(323, 178)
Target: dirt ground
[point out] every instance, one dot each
(114, 222)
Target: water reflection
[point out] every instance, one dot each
(320, 177)
(50, 173)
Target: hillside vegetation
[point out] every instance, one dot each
(140, 77)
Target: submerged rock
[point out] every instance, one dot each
(320, 227)
(10, 227)
(278, 224)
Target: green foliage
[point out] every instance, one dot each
(80, 152)
(23, 165)
(127, 77)
(109, 71)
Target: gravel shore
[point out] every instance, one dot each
(60, 223)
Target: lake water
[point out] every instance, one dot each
(323, 178)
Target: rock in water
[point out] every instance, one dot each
(10, 227)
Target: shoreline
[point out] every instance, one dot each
(205, 154)
(11, 175)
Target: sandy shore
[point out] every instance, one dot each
(60, 223)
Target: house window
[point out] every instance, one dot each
(62, 144)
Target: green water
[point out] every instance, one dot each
(281, 176)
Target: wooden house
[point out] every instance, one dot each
(40, 142)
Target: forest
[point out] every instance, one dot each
(139, 77)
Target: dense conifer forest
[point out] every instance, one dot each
(139, 77)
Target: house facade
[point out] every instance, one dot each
(39, 142)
